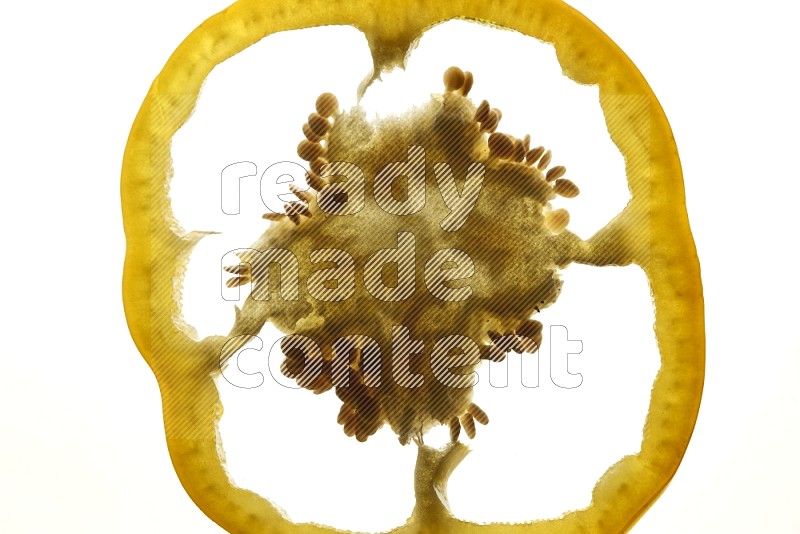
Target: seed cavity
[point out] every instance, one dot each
(366, 407)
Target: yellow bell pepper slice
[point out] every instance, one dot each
(652, 232)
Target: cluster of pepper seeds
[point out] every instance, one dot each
(360, 411)
(526, 338)
(506, 147)
(313, 150)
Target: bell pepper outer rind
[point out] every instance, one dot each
(652, 231)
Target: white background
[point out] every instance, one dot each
(82, 448)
